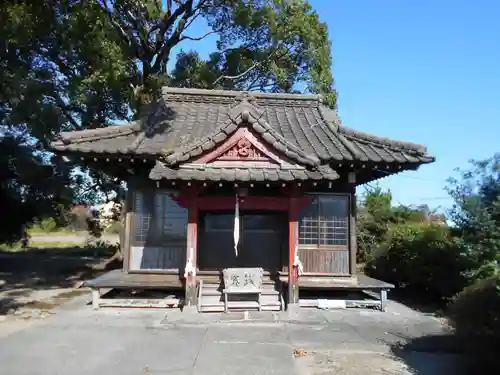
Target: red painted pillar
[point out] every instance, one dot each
(293, 239)
(192, 251)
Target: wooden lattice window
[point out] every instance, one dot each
(143, 217)
(158, 219)
(325, 222)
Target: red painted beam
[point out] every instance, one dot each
(261, 203)
(293, 235)
(247, 203)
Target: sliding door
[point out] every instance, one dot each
(324, 235)
(158, 233)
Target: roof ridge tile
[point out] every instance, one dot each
(87, 135)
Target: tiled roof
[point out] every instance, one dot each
(161, 171)
(188, 122)
(371, 148)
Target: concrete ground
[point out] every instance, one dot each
(74, 339)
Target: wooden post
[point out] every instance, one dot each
(191, 243)
(125, 240)
(293, 238)
(353, 244)
(383, 300)
(96, 296)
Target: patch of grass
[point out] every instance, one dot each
(55, 244)
(97, 249)
(59, 231)
(40, 305)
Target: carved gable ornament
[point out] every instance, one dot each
(241, 147)
(243, 150)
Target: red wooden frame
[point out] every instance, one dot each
(291, 203)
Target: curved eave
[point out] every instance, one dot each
(372, 148)
(206, 173)
(378, 172)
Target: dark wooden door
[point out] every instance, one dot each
(262, 241)
(263, 238)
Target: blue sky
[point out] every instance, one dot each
(423, 71)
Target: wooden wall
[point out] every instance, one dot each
(325, 261)
(158, 232)
(157, 235)
(324, 241)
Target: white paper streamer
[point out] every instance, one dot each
(190, 269)
(297, 263)
(236, 231)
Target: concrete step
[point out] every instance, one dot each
(215, 292)
(215, 300)
(220, 308)
(211, 292)
(243, 305)
(221, 285)
(212, 298)
(216, 286)
(209, 300)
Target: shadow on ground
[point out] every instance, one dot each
(34, 269)
(418, 302)
(473, 355)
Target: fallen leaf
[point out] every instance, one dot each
(299, 353)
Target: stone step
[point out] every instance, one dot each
(243, 305)
(265, 300)
(220, 285)
(219, 307)
(220, 296)
(215, 292)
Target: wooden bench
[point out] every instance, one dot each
(242, 281)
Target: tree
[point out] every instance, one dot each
(374, 216)
(266, 45)
(377, 215)
(28, 188)
(74, 64)
(51, 81)
(476, 214)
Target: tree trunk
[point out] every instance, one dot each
(116, 260)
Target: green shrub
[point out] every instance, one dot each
(48, 225)
(100, 247)
(475, 315)
(115, 228)
(423, 258)
(476, 309)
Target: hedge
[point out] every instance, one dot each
(423, 258)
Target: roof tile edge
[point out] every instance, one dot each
(166, 90)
